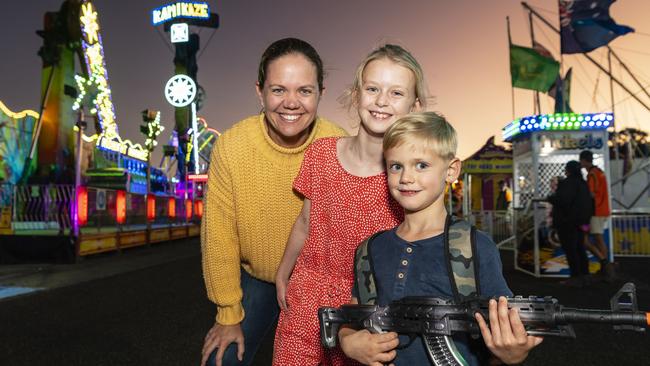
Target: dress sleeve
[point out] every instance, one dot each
(220, 242)
(491, 277)
(303, 182)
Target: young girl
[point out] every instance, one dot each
(346, 200)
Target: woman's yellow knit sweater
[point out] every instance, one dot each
(250, 207)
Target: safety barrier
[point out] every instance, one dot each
(106, 219)
(497, 224)
(631, 233)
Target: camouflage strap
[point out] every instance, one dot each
(460, 249)
(365, 276)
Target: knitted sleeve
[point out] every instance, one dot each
(219, 241)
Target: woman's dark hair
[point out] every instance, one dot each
(288, 46)
(573, 169)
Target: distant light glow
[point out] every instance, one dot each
(120, 207)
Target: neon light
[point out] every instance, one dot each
(171, 208)
(17, 115)
(82, 206)
(185, 9)
(154, 129)
(198, 208)
(89, 23)
(197, 177)
(188, 209)
(96, 84)
(151, 207)
(557, 122)
(120, 207)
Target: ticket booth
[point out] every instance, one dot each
(542, 145)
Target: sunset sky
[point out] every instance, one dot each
(462, 46)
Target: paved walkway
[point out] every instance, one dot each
(147, 306)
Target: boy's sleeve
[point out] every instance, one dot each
(491, 277)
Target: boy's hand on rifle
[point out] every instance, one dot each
(506, 336)
(368, 348)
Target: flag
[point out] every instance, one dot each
(561, 91)
(530, 70)
(586, 25)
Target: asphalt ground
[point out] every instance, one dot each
(147, 306)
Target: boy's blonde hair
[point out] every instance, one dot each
(429, 128)
(396, 54)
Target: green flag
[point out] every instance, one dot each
(530, 70)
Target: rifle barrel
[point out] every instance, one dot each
(568, 316)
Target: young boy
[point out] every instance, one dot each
(409, 260)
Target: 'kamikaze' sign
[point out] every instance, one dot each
(181, 9)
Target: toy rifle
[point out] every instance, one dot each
(437, 319)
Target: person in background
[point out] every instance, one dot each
(572, 209)
(597, 183)
(504, 199)
(250, 205)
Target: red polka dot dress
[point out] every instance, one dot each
(345, 209)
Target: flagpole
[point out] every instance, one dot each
(611, 82)
(525, 5)
(532, 41)
(512, 88)
(611, 95)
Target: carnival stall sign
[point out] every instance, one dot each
(542, 145)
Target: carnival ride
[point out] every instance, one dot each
(77, 194)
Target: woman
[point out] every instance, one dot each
(250, 205)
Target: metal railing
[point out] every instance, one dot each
(48, 208)
(42, 207)
(498, 224)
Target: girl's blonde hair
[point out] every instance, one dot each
(427, 129)
(396, 54)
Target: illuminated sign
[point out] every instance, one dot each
(558, 122)
(181, 9)
(179, 32)
(501, 166)
(180, 90)
(120, 207)
(123, 147)
(567, 142)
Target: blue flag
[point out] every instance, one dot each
(561, 91)
(586, 25)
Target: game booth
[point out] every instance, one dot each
(481, 175)
(542, 145)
